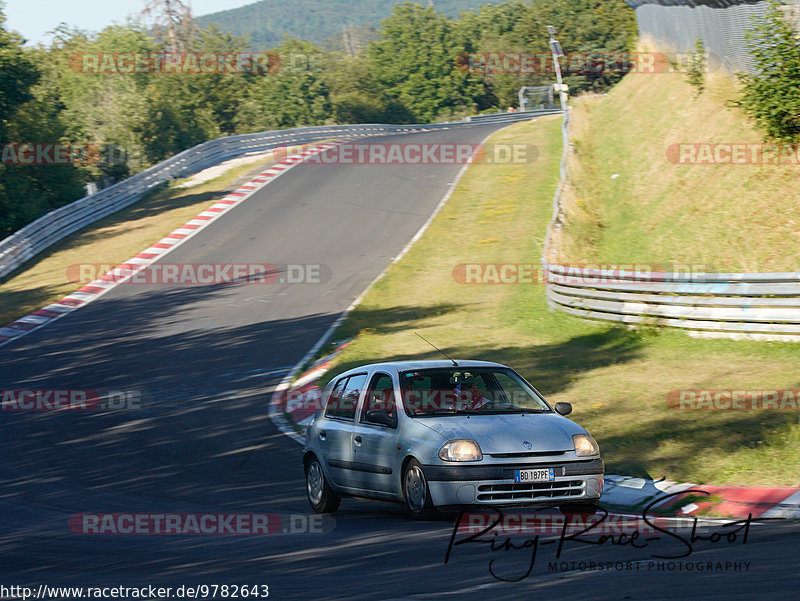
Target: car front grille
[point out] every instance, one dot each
(529, 491)
(526, 454)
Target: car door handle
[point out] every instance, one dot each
(357, 440)
(323, 434)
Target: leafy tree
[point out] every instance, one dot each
(296, 95)
(696, 67)
(221, 92)
(190, 108)
(492, 30)
(771, 94)
(604, 27)
(357, 98)
(415, 63)
(105, 109)
(27, 191)
(17, 72)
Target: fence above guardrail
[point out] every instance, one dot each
(722, 26)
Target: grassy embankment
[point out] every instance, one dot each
(739, 217)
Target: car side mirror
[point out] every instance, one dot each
(563, 408)
(380, 417)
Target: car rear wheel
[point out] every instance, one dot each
(322, 498)
(417, 493)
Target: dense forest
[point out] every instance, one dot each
(79, 90)
(268, 21)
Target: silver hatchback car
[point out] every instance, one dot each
(444, 434)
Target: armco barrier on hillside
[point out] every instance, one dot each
(60, 223)
(762, 306)
(749, 303)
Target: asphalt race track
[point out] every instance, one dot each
(203, 360)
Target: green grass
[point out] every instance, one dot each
(616, 378)
(729, 217)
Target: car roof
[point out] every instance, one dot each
(397, 366)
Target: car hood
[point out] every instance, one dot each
(509, 433)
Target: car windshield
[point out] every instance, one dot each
(470, 390)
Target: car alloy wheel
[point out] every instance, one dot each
(415, 487)
(321, 496)
(315, 482)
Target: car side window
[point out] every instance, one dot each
(333, 400)
(380, 397)
(344, 397)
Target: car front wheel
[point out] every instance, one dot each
(417, 493)
(322, 498)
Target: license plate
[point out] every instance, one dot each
(538, 475)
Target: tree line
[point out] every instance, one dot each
(123, 119)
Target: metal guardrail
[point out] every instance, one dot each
(731, 305)
(743, 303)
(39, 235)
(509, 117)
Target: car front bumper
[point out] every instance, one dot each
(575, 482)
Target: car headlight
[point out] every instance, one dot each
(585, 445)
(460, 450)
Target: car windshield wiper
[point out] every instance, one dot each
(512, 408)
(497, 411)
(508, 411)
(459, 412)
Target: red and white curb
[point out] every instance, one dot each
(728, 501)
(123, 272)
(293, 406)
